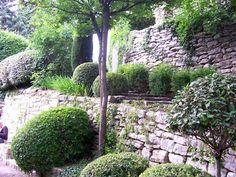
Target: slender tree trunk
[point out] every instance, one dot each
(103, 88)
(218, 166)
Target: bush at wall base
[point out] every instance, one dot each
(52, 138)
(173, 170)
(116, 165)
(116, 84)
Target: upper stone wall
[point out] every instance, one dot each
(154, 45)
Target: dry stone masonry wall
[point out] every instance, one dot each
(144, 131)
(154, 45)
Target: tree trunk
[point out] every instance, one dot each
(103, 85)
(218, 166)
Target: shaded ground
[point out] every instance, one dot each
(6, 171)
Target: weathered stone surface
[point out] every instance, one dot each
(159, 156)
(198, 164)
(230, 163)
(180, 140)
(167, 145)
(180, 149)
(146, 152)
(154, 139)
(212, 170)
(230, 174)
(176, 158)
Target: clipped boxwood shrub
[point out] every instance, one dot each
(116, 84)
(52, 138)
(17, 69)
(116, 165)
(202, 72)
(160, 79)
(173, 170)
(86, 73)
(11, 44)
(137, 76)
(180, 79)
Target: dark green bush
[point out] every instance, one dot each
(86, 73)
(74, 170)
(160, 79)
(116, 165)
(52, 138)
(202, 72)
(180, 79)
(11, 44)
(173, 170)
(137, 76)
(116, 84)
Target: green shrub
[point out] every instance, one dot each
(86, 73)
(63, 84)
(160, 79)
(180, 79)
(116, 84)
(52, 138)
(202, 72)
(74, 170)
(116, 165)
(11, 44)
(137, 76)
(173, 170)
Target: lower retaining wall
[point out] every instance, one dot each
(144, 131)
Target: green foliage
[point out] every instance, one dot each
(137, 76)
(206, 109)
(75, 50)
(202, 72)
(116, 165)
(116, 84)
(160, 79)
(63, 84)
(181, 78)
(86, 73)
(52, 138)
(53, 40)
(209, 16)
(74, 170)
(11, 44)
(175, 170)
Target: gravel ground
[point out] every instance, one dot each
(6, 171)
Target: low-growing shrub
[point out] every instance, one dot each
(11, 44)
(116, 84)
(74, 170)
(116, 165)
(86, 73)
(160, 79)
(202, 72)
(63, 84)
(52, 138)
(173, 170)
(180, 79)
(137, 76)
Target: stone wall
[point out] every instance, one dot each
(154, 45)
(142, 130)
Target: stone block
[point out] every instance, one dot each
(181, 140)
(173, 158)
(161, 117)
(154, 139)
(138, 144)
(167, 145)
(212, 170)
(230, 163)
(146, 152)
(159, 156)
(180, 149)
(198, 164)
(231, 174)
(141, 138)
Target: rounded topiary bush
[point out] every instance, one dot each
(173, 170)
(116, 165)
(137, 76)
(52, 138)
(180, 79)
(160, 79)
(11, 44)
(17, 69)
(116, 84)
(202, 72)
(86, 73)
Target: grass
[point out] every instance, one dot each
(62, 84)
